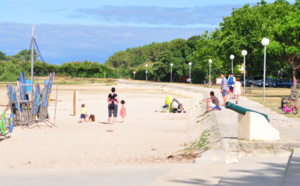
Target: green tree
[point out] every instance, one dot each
(2, 56)
(25, 55)
(244, 30)
(9, 71)
(207, 48)
(286, 46)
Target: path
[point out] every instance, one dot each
(154, 175)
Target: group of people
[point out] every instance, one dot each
(113, 101)
(233, 86)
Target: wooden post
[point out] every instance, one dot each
(75, 102)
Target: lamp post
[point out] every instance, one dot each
(210, 61)
(190, 63)
(231, 57)
(146, 72)
(265, 42)
(244, 53)
(171, 73)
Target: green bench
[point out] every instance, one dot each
(294, 94)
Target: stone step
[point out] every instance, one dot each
(258, 171)
(292, 173)
(193, 174)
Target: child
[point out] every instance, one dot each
(90, 116)
(123, 110)
(83, 113)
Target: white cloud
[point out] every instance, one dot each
(154, 15)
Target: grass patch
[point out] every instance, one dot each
(199, 143)
(272, 98)
(203, 119)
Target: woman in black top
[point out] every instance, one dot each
(113, 101)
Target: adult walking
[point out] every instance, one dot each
(113, 101)
(231, 81)
(224, 88)
(237, 89)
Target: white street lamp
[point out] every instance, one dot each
(265, 42)
(244, 53)
(231, 57)
(210, 61)
(171, 72)
(146, 72)
(190, 63)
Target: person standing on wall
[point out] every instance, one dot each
(224, 88)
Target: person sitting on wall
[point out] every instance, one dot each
(212, 102)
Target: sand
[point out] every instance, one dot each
(146, 137)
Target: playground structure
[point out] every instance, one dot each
(28, 102)
(26, 110)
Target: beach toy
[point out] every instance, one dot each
(11, 123)
(3, 124)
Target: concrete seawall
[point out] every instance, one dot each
(224, 146)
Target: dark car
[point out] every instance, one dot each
(284, 83)
(275, 82)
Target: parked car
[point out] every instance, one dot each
(284, 83)
(275, 83)
(269, 82)
(254, 80)
(242, 81)
(188, 80)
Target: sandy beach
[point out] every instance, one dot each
(146, 137)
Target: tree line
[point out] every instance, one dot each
(12, 66)
(242, 30)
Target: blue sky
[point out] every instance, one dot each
(72, 30)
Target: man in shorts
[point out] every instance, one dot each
(224, 88)
(213, 102)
